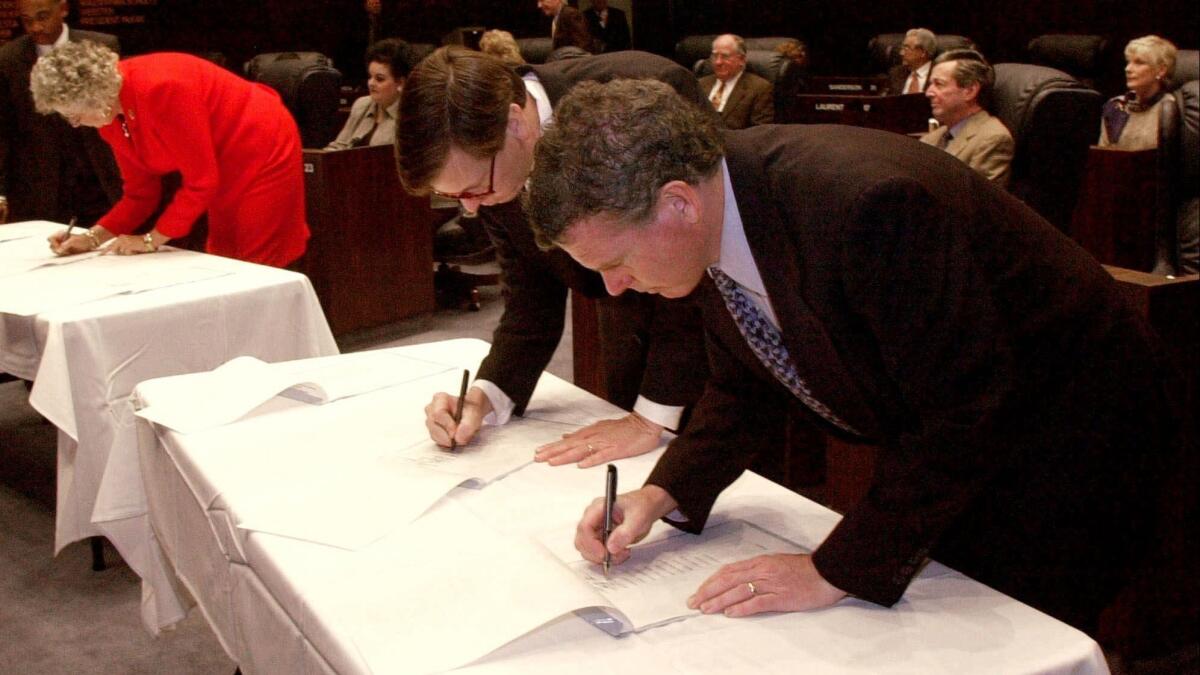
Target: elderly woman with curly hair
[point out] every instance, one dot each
(235, 145)
(1130, 121)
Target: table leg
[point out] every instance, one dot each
(97, 544)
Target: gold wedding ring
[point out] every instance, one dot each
(753, 590)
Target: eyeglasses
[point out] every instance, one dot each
(473, 195)
(720, 56)
(909, 48)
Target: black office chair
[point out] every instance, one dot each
(310, 88)
(1053, 119)
(1085, 57)
(1187, 66)
(535, 50)
(1177, 208)
(767, 64)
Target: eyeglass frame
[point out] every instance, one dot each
(473, 195)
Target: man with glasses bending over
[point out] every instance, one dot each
(467, 128)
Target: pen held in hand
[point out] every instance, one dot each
(610, 500)
(462, 396)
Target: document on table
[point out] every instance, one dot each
(25, 249)
(651, 588)
(495, 452)
(358, 502)
(467, 590)
(39, 229)
(230, 391)
(74, 280)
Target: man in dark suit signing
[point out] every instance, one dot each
(743, 98)
(48, 170)
(608, 26)
(1022, 425)
(467, 127)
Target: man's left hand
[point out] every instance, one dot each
(602, 442)
(778, 582)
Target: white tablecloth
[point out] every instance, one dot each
(86, 358)
(278, 604)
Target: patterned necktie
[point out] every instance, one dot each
(766, 342)
(914, 86)
(716, 99)
(945, 140)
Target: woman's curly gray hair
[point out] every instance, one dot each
(77, 74)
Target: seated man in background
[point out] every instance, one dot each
(911, 75)
(961, 87)
(48, 169)
(743, 98)
(372, 119)
(608, 26)
(468, 126)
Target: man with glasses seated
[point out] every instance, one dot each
(911, 75)
(743, 98)
(467, 127)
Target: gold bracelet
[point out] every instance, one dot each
(92, 238)
(149, 242)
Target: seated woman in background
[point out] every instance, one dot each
(233, 142)
(1130, 121)
(502, 45)
(372, 118)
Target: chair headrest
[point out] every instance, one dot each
(1078, 54)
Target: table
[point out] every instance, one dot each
(277, 604)
(85, 359)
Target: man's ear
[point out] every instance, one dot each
(517, 126)
(973, 92)
(678, 204)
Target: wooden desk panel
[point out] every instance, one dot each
(370, 257)
(901, 114)
(1114, 217)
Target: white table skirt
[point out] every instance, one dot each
(275, 602)
(86, 358)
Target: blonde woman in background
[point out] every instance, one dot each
(1130, 121)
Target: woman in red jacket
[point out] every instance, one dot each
(235, 145)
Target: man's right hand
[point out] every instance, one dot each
(439, 417)
(634, 513)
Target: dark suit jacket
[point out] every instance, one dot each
(898, 79)
(34, 148)
(615, 36)
(535, 282)
(750, 103)
(1017, 401)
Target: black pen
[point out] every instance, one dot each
(70, 226)
(610, 500)
(462, 396)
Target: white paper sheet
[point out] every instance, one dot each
(495, 452)
(491, 590)
(652, 587)
(230, 391)
(359, 501)
(74, 280)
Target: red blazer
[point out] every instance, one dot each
(235, 145)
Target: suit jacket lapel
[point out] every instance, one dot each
(817, 361)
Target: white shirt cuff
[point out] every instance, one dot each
(666, 416)
(502, 405)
